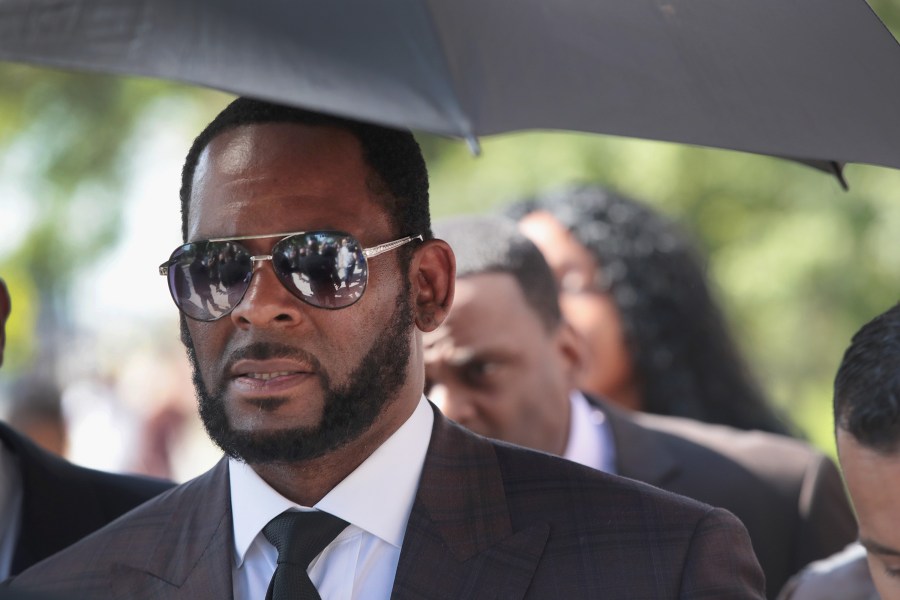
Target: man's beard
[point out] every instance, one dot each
(348, 410)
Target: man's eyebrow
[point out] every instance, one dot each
(873, 546)
(470, 355)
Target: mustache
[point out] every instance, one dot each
(270, 350)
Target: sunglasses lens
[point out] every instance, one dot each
(325, 269)
(208, 279)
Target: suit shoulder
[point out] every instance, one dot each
(764, 454)
(120, 490)
(124, 490)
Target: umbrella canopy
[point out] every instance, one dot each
(812, 80)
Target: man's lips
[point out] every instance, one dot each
(267, 376)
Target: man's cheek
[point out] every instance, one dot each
(209, 351)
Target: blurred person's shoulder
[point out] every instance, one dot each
(778, 459)
(110, 494)
(773, 483)
(789, 495)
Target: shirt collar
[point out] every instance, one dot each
(590, 439)
(387, 480)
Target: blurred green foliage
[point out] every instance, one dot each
(65, 140)
(799, 264)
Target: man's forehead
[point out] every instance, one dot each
(311, 177)
(494, 291)
(489, 310)
(242, 146)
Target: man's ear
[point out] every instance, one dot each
(573, 352)
(433, 272)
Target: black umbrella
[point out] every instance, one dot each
(812, 80)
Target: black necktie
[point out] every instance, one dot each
(299, 537)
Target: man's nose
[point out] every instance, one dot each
(267, 302)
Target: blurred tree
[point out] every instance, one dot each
(64, 141)
(889, 12)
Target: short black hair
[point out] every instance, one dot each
(867, 385)
(685, 359)
(400, 179)
(489, 244)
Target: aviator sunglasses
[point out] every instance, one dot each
(326, 269)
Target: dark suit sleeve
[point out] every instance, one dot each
(720, 562)
(827, 523)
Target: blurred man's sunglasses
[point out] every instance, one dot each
(326, 269)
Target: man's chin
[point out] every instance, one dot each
(285, 445)
(275, 422)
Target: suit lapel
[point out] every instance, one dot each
(189, 543)
(640, 453)
(460, 540)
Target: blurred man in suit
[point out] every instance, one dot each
(315, 394)
(867, 426)
(505, 362)
(35, 410)
(46, 503)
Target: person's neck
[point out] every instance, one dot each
(307, 482)
(564, 428)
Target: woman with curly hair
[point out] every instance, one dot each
(633, 285)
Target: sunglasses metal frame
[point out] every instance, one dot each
(256, 259)
(367, 252)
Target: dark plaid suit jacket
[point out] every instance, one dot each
(62, 502)
(489, 521)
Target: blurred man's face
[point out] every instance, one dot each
(608, 368)
(873, 480)
(278, 379)
(5, 307)
(495, 368)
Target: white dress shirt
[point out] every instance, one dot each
(591, 440)
(376, 499)
(10, 508)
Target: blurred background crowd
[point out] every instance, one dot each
(89, 177)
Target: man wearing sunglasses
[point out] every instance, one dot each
(308, 277)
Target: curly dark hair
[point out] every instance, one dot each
(867, 386)
(400, 177)
(685, 360)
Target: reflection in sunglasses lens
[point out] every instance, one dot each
(208, 279)
(324, 269)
